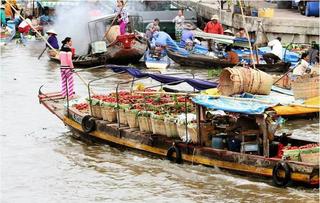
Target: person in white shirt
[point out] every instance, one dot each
(302, 67)
(179, 20)
(276, 52)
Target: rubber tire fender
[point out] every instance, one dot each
(88, 124)
(178, 158)
(278, 181)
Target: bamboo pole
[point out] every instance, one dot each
(246, 30)
(46, 41)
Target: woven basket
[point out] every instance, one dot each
(145, 124)
(239, 80)
(306, 87)
(96, 111)
(108, 114)
(122, 117)
(171, 129)
(158, 127)
(132, 119)
(312, 158)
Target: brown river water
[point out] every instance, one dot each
(41, 162)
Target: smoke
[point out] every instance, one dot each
(72, 21)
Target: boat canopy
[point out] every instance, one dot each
(230, 104)
(165, 79)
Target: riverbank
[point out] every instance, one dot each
(288, 24)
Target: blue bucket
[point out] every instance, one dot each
(217, 143)
(312, 8)
(234, 144)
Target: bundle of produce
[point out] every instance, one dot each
(310, 153)
(82, 107)
(108, 112)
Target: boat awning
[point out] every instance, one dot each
(165, 79)
(230, 104)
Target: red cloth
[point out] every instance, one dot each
(25, 29)
(215, 28)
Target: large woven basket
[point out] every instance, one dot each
(122, 117)
(191, 132)
(158, 127)
(108, 114)
(145, 124)
(96, 111)
(132, 119)
(312, 158)
(306, 86)
(238, 80)
(171, 129)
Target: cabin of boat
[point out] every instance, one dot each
(242, 140)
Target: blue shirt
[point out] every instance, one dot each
(53, 41)
(186, 35)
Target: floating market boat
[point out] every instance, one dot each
(190, 129)
(155, 62)
(207, 61)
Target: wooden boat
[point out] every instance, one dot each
(85, 61)
(204, 61)
(246, 161)
(156, 62)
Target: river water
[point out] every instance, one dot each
(41, 162)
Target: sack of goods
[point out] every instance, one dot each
(238, 80)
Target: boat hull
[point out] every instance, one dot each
(251, 165)
(208, 62)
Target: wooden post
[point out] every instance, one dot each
(198, 114)
(261, 121)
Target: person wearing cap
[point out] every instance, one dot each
(214, 26)
(187, 35)
(228, 32)
(276, 52)
(3, 16)
(52, 40)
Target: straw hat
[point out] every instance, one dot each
(51, 31)
(2, 6)
(189, 26)
(214, 17)
(228, 31)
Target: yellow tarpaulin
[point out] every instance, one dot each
(311, 105)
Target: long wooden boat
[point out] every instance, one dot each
(89, 127)
(204, 61)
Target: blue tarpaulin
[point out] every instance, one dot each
(165, 79)
(245, 106)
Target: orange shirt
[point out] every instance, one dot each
(215, 28)
(9, 11)
(233, 57)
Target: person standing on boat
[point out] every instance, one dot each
(149, 28)
(178, 20)
(213, 27)
(122, 16)
(313, 53)
(52, 40)
(3, 16)
(276, 52)
(65, 56)
(241, 33)
(232, 56)
(10, 13)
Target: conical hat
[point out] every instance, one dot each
(51, 31)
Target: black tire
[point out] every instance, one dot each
(88, 124)
(279, 181)
(178, 158)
